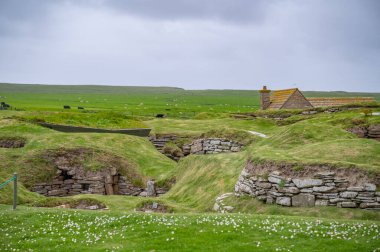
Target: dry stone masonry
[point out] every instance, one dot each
(106, 182)
(75, 180)
(198, 146)
(213, 146)
(372, 131)
(320, 189)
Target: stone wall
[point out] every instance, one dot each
(372, 131)
(75, 180)
(213, 146)
(199, 146)
(319, 188)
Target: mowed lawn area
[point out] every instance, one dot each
(32, 229)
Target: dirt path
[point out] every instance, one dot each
(258, 134)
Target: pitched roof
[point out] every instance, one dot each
(337, 101)
(279, 97)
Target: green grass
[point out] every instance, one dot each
(321, 139)
(318, 139)
(32, 229)
(138, 152)
(104, 119)
(149, 101)
(196, 127)
(200, 179)
(175, 102)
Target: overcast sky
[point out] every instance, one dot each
(194, 44)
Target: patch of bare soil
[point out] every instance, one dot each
(12, 142)
(88, 204)
(154, 207)
(84, 205)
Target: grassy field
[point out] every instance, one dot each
(322, 138)
(149, 101)
(200, 179)
(31, 229)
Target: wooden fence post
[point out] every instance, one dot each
(14, 191)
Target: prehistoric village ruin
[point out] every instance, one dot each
(189, 126)
(270, 182)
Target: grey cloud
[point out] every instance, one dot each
(226, 10)
(25, 17)
(317, 45)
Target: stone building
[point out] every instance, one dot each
(294, 99)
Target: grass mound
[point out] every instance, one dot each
(172, 149)
(36, 159)
(43, 166)
(104, 120)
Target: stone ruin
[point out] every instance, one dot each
(320, 188)
(198, 146)
(372, 132)
(213, 146)
(72, 178)
(75, 180)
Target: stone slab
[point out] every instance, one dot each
(303, 200)
(304, 183)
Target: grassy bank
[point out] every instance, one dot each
(31, 229)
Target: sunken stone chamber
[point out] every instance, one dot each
(75, 180)
(72, 177)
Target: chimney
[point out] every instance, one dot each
(264, 98)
